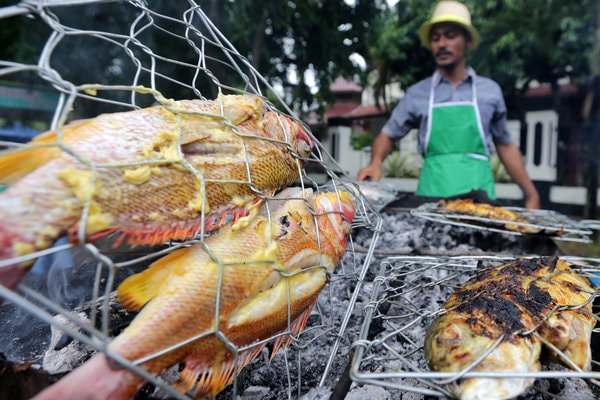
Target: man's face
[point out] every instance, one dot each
(449, 44)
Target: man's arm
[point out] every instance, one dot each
(382, 146)
(511, 157)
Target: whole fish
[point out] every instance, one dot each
(155, 174)
(511, 311)
(511, 220)
(263, 274)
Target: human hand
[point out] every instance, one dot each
(370, 172)
(532, 202)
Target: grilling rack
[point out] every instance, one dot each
(550, 223)
(406, 295)
(195, 46)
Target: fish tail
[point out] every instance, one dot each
(94, 380)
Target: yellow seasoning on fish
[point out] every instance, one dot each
(500, 320)
(155, 174)
(263, 274)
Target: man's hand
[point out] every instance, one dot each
(532, 201)
(382, 146)
(369, 173)
(511, 157)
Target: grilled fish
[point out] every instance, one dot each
(155, 174)
(504, 316)
(513, 221)
(263, 275)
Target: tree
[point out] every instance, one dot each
(289, 43)
(522, 41)
(292, 41)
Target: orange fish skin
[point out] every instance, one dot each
(141, 187)
(178, 295)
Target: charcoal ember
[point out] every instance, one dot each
(317, 393)
(64, 353)
(369, 392)
(297, 372)
(561, 388)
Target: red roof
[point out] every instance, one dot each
(353, 111)
(368, 111)
(341, 109)
(342, 85)
(547, 90)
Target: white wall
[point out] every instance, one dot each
(338, 145)
(546, 121)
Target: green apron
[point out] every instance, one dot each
(456, 160)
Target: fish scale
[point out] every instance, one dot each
(263, 288)
(142, 188)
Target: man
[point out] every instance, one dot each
(461, 117)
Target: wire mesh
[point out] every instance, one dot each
(407, 294)
(544, 222)
(150, 55)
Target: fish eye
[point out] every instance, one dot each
(284, 221)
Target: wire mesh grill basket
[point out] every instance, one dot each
(406, 297)
(151, 55)
(544, 222)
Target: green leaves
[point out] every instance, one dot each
(543, 40)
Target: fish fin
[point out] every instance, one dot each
(247, 213)
(159, 234)
(18, 163)
(139, 289)
(295, 328)
(209, 381)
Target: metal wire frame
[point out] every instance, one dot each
(550, 223)
(405, 298)
(146, 83)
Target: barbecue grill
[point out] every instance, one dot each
(406, 296)
(550, 223)
(376, 306)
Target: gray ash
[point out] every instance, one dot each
(299, 372)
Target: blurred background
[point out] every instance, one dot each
(341, 65)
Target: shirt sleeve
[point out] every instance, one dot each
(498, 127)
(403, 118)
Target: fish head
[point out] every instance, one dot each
(334, 214)
(310, 230)
(285, 129)
(337, 204)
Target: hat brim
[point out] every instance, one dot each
(426, 27)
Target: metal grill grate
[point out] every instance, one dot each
(146, 59)
(407, 295)
(548, 222)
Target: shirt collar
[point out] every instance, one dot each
(437, 78)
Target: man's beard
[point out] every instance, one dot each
(448, 67)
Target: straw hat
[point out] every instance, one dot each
(449, 11)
